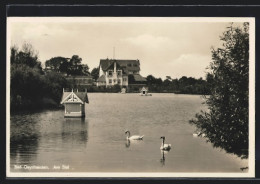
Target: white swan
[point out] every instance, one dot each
(195, 135)
(133, 137)
(165, 147)
(199, 134)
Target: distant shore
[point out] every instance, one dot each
(47, 103)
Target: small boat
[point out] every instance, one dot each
(123, 91)
(144, 92)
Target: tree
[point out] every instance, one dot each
(26, 76)
(169, 78)
(95, 73)
(57, 64)
(53, 84)
(26, 83)
(75, 60)
(30, 88)
(167, 82)
(27, 56)
(70, 66)
(75, 66)
(85, 69)
(151, 80)
(225, 124)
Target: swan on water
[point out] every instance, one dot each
(196, 134)
(199, 134)
(165, 147)
(133, 137)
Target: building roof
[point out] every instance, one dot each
(139, 78)
(128, 65)
(144, 89)
(102, 78)
(83, 96)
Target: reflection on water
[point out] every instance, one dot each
(127, 144)
(162, 160)
(97, 143)
(24, 139)
(133, 142)
(74, 131)
(34, 136)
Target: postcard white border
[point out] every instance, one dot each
(251, 157)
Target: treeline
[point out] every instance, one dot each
(33, 87)
(30, 87)
(184, 85)
(68, 66)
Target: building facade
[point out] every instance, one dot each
(80, 81)
(119, 72)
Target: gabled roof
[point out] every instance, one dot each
(83, 96)
(102, 78)
(139, 78)
(144, 89)
(130, 65)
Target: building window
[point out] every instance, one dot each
(114, 80)
(110, 81)
(110, 73)
(124, 79)
(135, 72)
(135, 65)
(119, 81)
(119, 73)
(129, 64)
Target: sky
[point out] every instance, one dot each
(165, 47)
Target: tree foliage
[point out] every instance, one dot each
(95, 73)
(69, 66)
(226, 122)
(26, 56)
(57, 64)
(30, 88)
(184, 85)
(75, 67)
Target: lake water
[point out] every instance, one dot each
(98, 142)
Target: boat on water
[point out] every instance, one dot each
(144, 92)
(123, 91)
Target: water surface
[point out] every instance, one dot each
(98, 142)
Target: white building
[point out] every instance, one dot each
(121, 72)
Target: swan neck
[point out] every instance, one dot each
(163, 142)
(128, 134)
